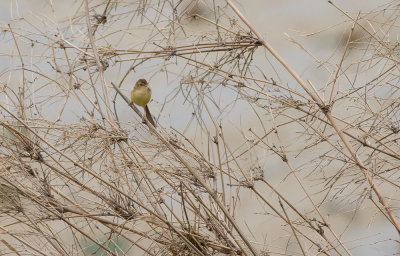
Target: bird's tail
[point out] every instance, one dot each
(149, 116)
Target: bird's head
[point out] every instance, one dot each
(141, 82)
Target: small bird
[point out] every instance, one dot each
(141, 95)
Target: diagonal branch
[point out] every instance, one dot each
(326, 110)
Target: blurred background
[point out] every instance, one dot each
(311, 36)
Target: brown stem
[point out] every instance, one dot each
(327, 113)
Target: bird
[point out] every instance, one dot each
(141, 95)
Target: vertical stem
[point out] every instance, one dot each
(22, 92)
(98, 61)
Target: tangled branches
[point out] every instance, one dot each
(81, 173)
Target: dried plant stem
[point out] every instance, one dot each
(328, 114)
(22, 92)
(292, 227)
(20, 240)
(100, 65)
(240, 143)
(101, 179)
(339, 68)
(213, 195)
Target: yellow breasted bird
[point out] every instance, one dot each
(141, 95)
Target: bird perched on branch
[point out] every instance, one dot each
(141, 95)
